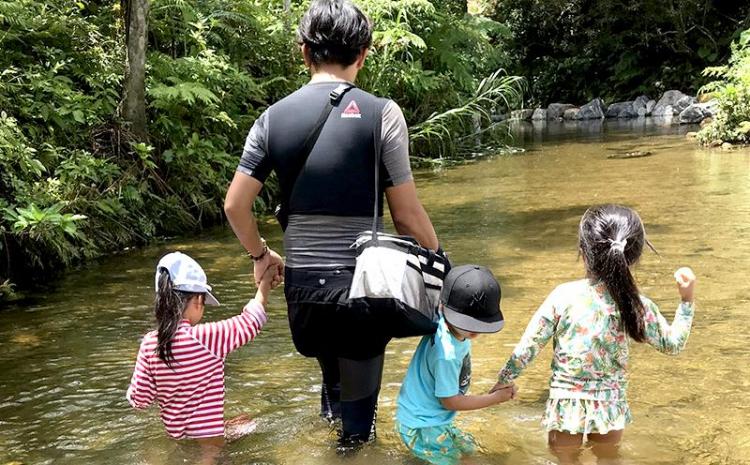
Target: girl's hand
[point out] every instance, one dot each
(685, 283)
(267, 280)
(266, 284)
(498, 386)
(504, 394)
(270, 260)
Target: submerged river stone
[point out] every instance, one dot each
(621, 110)
(539, 114)
(633, 154)
(595, 109)
(571, 113)
(523, 115)
(639, 105)
(672, 103)
(697, 112)
(557, 110)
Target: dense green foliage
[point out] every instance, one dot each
(732, 90)
(75, 183)
(431, 63)
(575, 50)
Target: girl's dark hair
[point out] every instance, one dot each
(168, 308)
(611, 239)
(335, 31)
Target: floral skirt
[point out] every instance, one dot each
(586, 416)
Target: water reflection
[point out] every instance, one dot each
(529, 132)
(67, 357)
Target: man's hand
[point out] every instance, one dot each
(270, 259)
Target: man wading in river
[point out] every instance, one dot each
(328, 199)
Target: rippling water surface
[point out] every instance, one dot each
(66, 356)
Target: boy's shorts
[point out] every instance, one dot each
(439, 445)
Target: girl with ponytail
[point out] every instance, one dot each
(591, 322)
(180, 365)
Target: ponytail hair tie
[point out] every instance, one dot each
(618, 246)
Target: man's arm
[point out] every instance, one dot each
(409, 216)
(238, 206)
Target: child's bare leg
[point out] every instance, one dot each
(565, 446)
(606, 447)
(210, 449)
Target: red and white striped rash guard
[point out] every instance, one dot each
(191, 393)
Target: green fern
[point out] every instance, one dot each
(182, 92)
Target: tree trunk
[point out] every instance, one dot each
(287, 12)
(134, 92)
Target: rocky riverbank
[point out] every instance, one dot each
(673, 105)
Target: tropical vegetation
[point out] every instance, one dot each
(732, 91)
(80, 177)
(122, 121)
(576, 50)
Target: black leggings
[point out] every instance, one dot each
(350, 391)
(349, 344)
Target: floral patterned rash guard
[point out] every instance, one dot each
(590, 358)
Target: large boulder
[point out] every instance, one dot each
(595, 109)
(650, 107)
(697, 112)
(621, 110)
(523, 115)
(571, 113)
(691, 114)
(557, 110)
(639, 105)
(674, 99)
(710, 108)
(539, 114)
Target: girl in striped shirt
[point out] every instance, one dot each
(181, 364)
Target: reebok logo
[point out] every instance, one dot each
(351, 111)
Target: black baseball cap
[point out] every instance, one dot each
(471, 299)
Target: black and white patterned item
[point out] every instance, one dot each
(400, 279)
(395, 276)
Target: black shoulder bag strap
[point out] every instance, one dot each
(334, 98)
(377, 143)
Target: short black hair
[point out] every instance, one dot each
(335, 31)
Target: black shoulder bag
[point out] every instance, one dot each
(282, 209)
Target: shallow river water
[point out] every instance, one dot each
(66, 356)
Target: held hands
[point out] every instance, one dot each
(270, 260)
(266, 284)
(267, 280)
(685, 283)
(504, 392)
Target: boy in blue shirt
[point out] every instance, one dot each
(439, 374)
